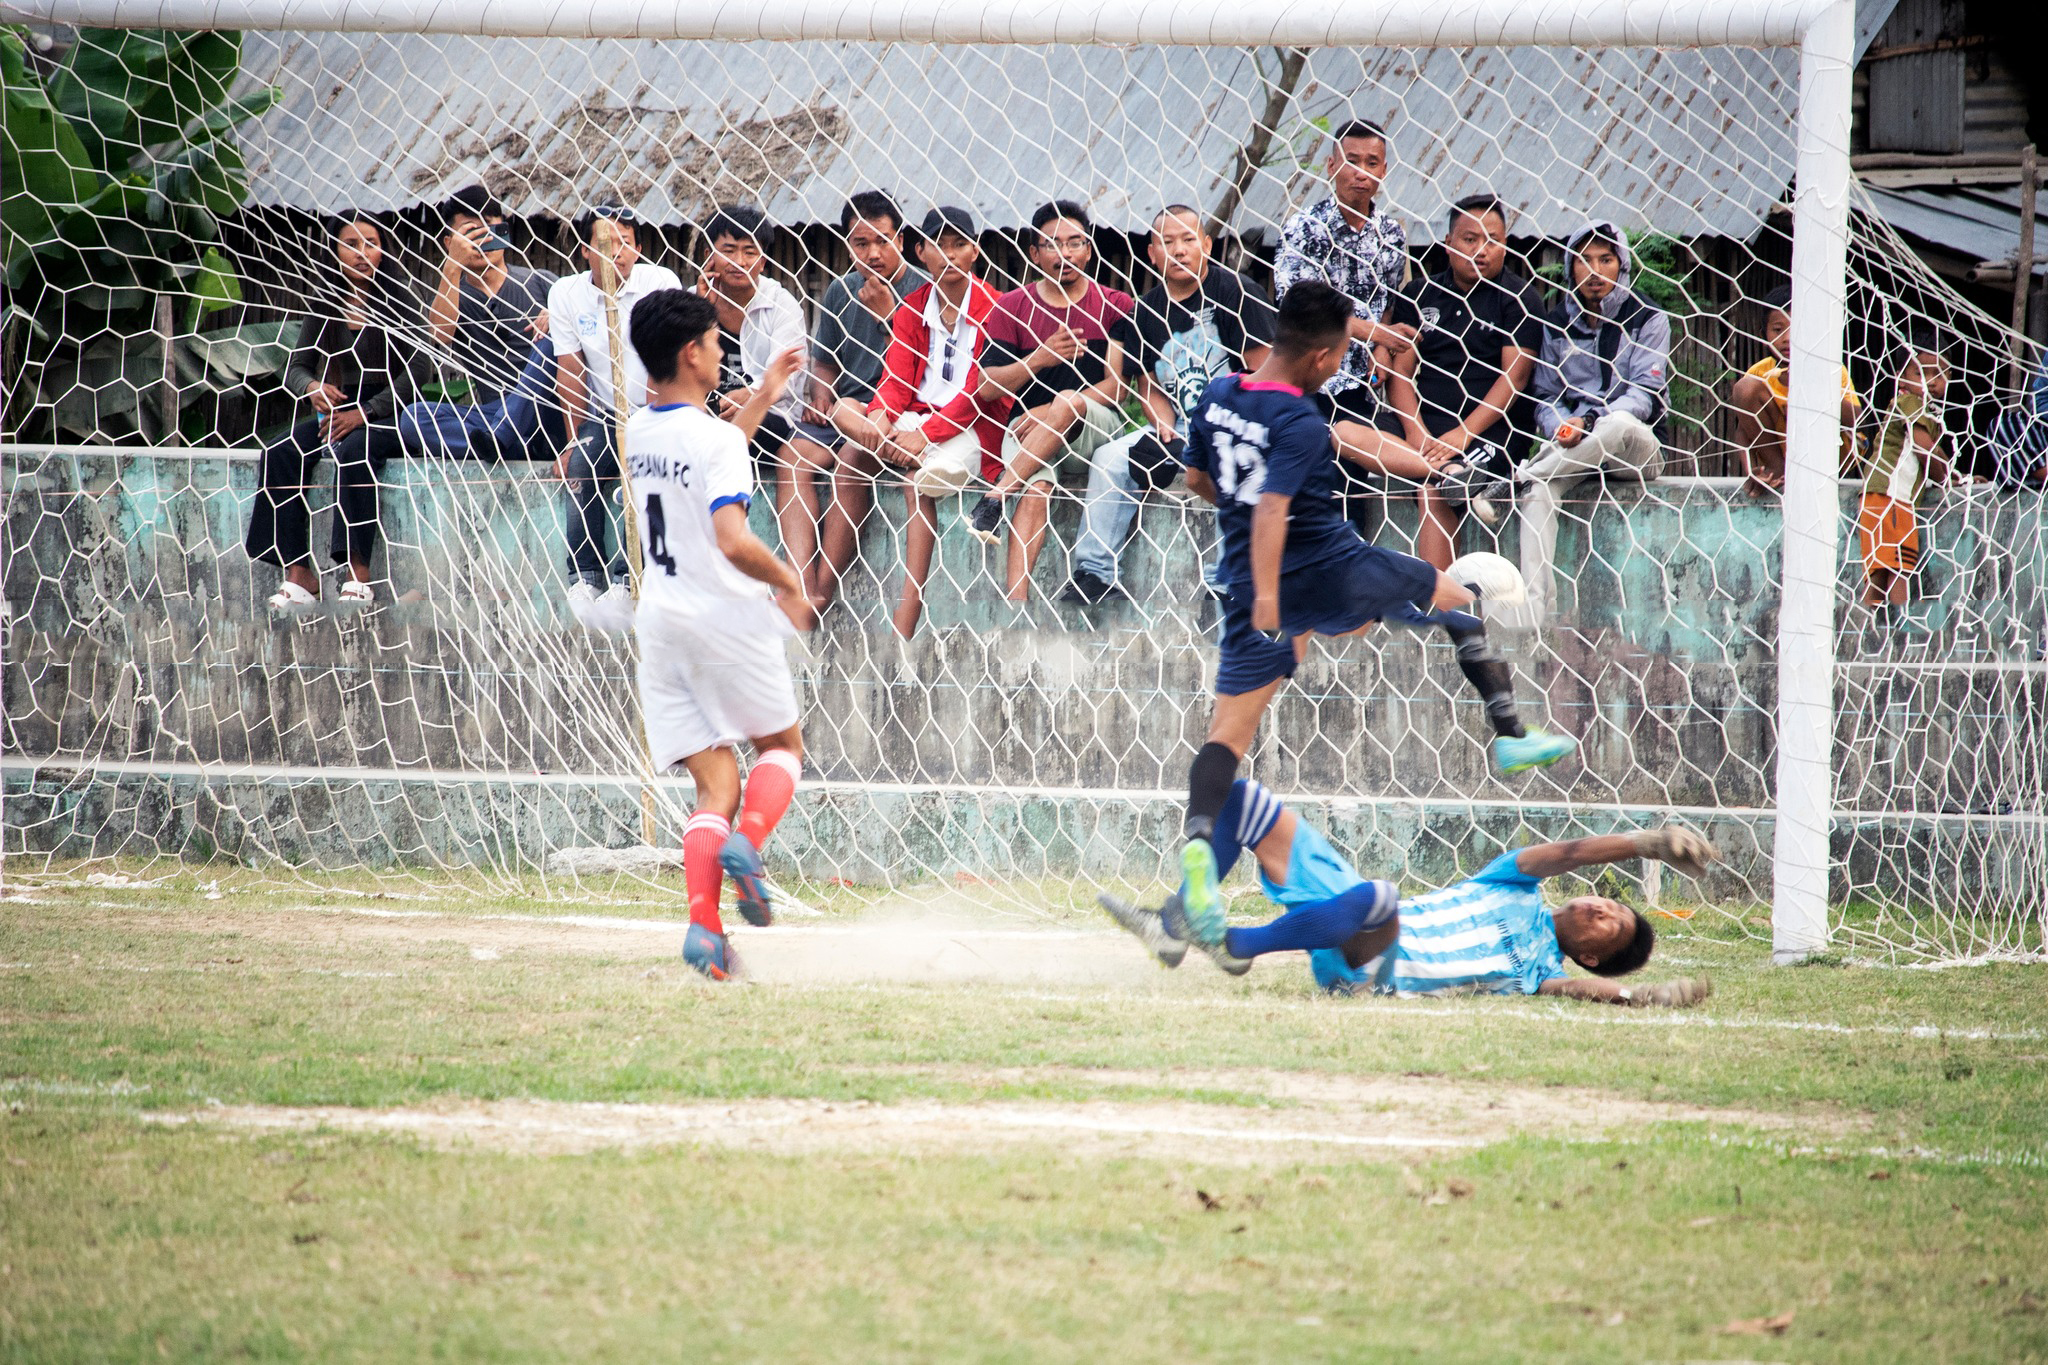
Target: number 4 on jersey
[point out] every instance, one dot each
(657, 536)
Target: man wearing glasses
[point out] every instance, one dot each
(1056, 350)
(924, 418)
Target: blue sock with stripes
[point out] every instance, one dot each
(1248, 815)
(1325, 924)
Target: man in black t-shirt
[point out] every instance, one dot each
(1200, 323)
(1475, 348)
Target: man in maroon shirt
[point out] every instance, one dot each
(1056, 349)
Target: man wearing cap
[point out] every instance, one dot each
(589, 468)
(924, 418)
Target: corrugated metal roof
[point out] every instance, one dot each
(1688, 142)
(1976, 222)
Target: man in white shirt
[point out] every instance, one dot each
(583, 384)
(716, 606)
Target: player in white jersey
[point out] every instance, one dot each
(716, 610)
(1491, 933)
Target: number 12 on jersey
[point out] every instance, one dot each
(1240, 466)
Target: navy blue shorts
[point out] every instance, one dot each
(1333, 598)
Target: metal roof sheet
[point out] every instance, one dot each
(1692, 141)
(1980, 223)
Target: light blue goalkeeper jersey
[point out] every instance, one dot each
(1490, 934)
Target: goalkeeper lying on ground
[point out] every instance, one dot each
(1490, 933)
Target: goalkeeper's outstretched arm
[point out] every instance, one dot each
(1681, 848)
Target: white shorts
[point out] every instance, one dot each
(711, 689)
(946, 466)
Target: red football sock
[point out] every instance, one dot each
(702, 838)
(770, 788)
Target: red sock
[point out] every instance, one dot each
(770, 788)
(702, 838)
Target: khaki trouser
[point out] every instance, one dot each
(1619, 445)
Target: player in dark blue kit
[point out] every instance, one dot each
(1259, 450)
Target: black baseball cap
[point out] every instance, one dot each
(947, 218)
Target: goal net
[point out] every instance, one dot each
(176, 209)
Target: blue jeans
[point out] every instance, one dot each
(509, 427)
(1109, 508)
(592, 472)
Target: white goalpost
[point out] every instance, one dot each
(1700, 642)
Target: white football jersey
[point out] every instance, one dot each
(685, 464)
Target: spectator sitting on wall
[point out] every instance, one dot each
(1056, 348)
(1760, 395)
(589, 467)
(847, 351)
(1475, 348)
(1601, 380)
(759, 320)
(1600, 387)
(491, 318)
(1200, 323)
(1349, 243)
(924, 417)
(353, 377)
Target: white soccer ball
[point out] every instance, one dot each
(1497, 580)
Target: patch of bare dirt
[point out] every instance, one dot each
(1314, 1118)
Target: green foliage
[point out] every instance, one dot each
(119, 162)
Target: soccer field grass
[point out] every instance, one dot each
(300, 1123)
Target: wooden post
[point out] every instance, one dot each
(167, 376)
(2023, 268)
(604, 239)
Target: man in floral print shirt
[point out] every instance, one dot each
(1347, 243)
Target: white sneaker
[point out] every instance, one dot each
(581, 597)
(613, 612)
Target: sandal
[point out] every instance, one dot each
(355, 593)
(292, 598)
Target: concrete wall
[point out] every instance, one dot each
(139, 639)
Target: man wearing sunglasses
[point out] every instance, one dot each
(924, 418)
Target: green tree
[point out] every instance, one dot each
(119, 161)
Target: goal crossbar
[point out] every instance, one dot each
(1299, 23)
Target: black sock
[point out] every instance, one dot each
(1209, 779)
(1488, 673)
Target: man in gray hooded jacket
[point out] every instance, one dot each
(1601, 379)
(1601, 386)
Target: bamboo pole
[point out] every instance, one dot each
(604, 239)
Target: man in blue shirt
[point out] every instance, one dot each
(1489, 934)
(1259, 450)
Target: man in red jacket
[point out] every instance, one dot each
(925, 419)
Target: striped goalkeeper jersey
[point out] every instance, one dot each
(1491, 934)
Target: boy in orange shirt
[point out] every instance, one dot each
(1760, 395)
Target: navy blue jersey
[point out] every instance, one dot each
(1253, 439)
